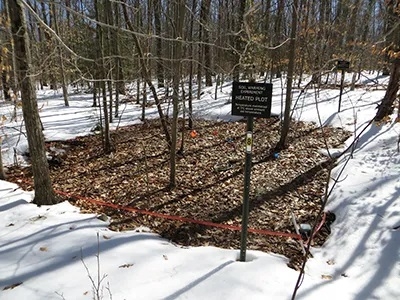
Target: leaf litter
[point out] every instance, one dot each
(209, 180)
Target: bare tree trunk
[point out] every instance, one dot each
(48, 22)
(144, 102)
(4, 71)
(110, 96)
(386, 106)
(109, 47)
(238, 41)
(120, 87)
(190, 38)
(95, 90)
(146, 76)
(204, 17)
(44, 194)
(276, 68)
(351, 32)
(2, 173)
(393, 41)
(60, 57)
(200, 54)
(5, 84)
(179, 15)
(157, 27)
(101, 65)
(288, 101)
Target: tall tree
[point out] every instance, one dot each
(119, 76)
(238, 38)
(119, 85)
(289, 82)
(101, 38)
(48, 45)
(4, 69)
(393, 53)
(179, 15)
(108, 44)
(44, 194)
(146, 74)
(157, 27)
(53, 13)
(276, 55)
(204, 46)
(2, 172)
(190, 56)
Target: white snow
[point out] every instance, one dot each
(45, 249)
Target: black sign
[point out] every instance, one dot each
(343, 65)
(251, 99)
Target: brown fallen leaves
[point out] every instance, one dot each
(209, 180)
(12, 286)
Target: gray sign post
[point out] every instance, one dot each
(342, 65)
(251, 100)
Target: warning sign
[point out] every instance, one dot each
(251, 99)
(343, 65)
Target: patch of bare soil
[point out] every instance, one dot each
(210, 175)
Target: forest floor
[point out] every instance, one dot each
(209, 174)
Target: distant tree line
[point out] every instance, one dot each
(220, 38)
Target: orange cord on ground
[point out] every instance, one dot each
(179, 218)
(182, 219)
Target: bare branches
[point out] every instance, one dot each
(97, 282)
(37, 17)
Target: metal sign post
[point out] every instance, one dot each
(251, 100)
(342, 65)
(247, 175)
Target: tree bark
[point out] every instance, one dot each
(179, 15)
(5, 84)
(190, 50)
(2, 172)
(60, 57)
(386, 106)
(119, 85)
(238, 39)
(44, 194)
(109, 48)
(107, 145)
(393, 50)
(157, 27)
(200, 54)
(288, 100)
(204, 20)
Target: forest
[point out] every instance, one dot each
(165, 54)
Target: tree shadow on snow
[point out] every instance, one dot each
(196, 282)
(386, 262)
(28, 243)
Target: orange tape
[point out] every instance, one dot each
(179, 218)
(183, 219)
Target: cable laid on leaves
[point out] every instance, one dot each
(181, 219)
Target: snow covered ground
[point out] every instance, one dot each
(53, 252)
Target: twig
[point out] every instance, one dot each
(61, 295)
(326, 197)
(97, 287)
(98, 271)
(146, 166)
(307, 252)
(120, 116)
(16, 144)
(109, 290)
(321, 126)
